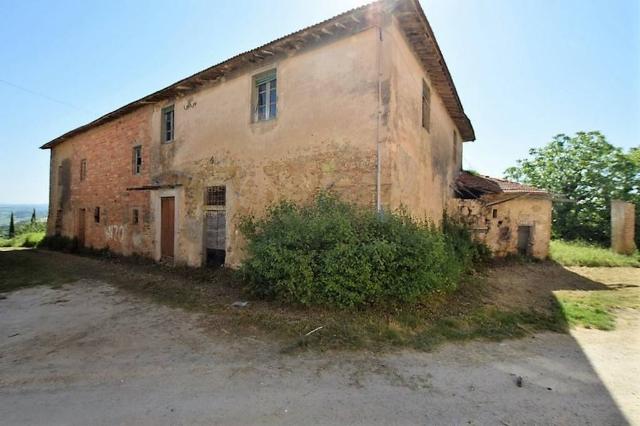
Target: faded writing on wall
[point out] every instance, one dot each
(115, 232)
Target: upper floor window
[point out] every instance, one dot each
(266, 96)
(426, 105)
(168, 124)
(455, 147)
(83, 169)
(137, 160)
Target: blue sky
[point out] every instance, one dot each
(525, 69)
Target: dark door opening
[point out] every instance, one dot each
(167, 231)
(524, 240)
(81, 227)
(215, 237)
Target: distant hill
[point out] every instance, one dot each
(21, 212)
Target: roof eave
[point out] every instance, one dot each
(351, 21)
(438, 70)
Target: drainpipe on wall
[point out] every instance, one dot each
(378, 116)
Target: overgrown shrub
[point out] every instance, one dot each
(459, 237)
(336, 254)
(59, 243)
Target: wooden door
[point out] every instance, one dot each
(81, 226)
(524, 238)
(167, 230)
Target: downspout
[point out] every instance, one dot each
(378, 117)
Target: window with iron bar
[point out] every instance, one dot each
(216, 195)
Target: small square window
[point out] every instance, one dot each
(83, 169)
(96, 215)
(137, 160)
(494, 213)
(135, 216)
(266, 96)
(216, 196)
(168, 124)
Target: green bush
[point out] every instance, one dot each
(27, 239)
(335, 254)
(468, 251)
(59, 243)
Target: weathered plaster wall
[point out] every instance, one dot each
(623, 215)
(108, 150)
(335, 102)
(422, 164)
(500, 233)
(323, 138)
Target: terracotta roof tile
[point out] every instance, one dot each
(413, 22)
(470, 183)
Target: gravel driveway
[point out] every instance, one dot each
(90, 354)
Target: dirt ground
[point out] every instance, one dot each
(88, 353)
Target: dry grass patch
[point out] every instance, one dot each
(472, 311)
(598, 308)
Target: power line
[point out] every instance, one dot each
(42, 95)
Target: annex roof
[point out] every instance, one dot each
(476, 185)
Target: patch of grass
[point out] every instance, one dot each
(27, 239)
(596, 309)
(583, 254)
(467, 313)
(458, 316)
(25, 268)
(375, 332)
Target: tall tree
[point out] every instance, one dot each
(12, 227)
(33, 217)
(589, 172)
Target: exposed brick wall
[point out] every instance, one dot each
(108, 151)
(326, 136)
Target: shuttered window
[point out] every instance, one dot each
(83, 169)
(455, 148)
(168, 124)
(426, 105)
(137, 160)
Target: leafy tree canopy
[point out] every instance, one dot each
(589, 172)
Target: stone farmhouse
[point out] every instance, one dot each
(362, 104)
